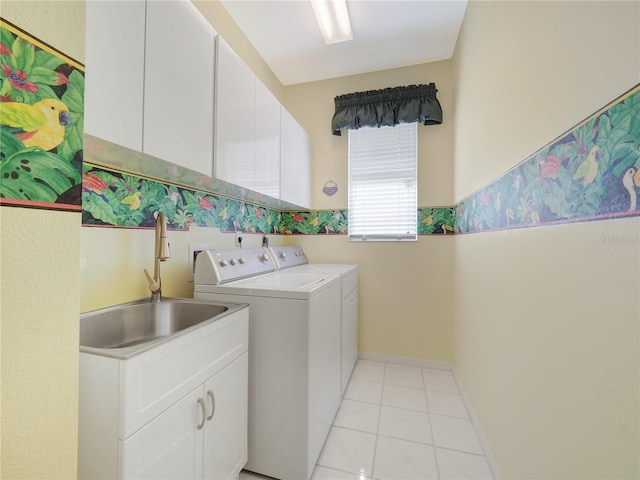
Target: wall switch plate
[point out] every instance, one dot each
(194, 250)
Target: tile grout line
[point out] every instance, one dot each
(486, 451)
(433, 438)
(375, 445)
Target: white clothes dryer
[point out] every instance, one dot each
(295, 260)
(294, 355)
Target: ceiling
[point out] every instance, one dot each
(386, 34)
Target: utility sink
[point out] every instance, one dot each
(130, 328)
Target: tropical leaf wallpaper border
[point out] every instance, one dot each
(591, 172)
(41, 123)
(111, 198)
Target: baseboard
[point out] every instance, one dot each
(415, 362)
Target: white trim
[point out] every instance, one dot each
(448, 366)
(416, 362)
(495, 470)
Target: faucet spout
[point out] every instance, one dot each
(161, 254)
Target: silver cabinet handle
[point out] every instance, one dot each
(204, 413)
(213, 403)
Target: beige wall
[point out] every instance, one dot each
(39, 301)
(546, 319)
(312, 104)
(405, 288)
(113, 261)
(405, 292)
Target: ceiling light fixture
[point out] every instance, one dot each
(333, 19)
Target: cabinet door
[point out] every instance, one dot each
(178, 83)
(170, 446)
(295, 158)
(225, 435)
(267, 142)
(304, 168)
(235, 118)
(288, 157)
(114, 80)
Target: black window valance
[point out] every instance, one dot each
(387, 107)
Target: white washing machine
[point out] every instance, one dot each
(294, 355)
(294, 259)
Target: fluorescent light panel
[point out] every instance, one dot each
(333, 19)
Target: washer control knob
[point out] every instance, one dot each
(262, 257)
(282, 254)
(232, 261)
(241, 260)
(223, 263)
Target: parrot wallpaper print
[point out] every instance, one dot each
(123, 200)
(590, 173)
(41, 123)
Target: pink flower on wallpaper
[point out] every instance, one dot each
(18, 79)
(205, 203)
(549, 167)
(62, 79)
(4, 50)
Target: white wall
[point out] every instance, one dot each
(546, 319)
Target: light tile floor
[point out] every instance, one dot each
(400, 422)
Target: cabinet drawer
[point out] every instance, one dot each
(153, 381)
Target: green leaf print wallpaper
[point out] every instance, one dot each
(41, 123)
(591, 172)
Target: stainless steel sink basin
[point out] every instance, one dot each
(130, 328)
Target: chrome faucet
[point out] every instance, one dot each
(161, 254)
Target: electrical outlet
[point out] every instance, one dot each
(238, 239)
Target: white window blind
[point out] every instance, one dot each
(383, 198)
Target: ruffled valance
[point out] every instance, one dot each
(387, 107)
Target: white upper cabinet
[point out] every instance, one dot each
(295, 156)
(179, 85)
(267, 142)
(114, 78)
(304, 168)
(235, 118)
(159, 81)
(288, 157)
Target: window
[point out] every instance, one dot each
(383, 199)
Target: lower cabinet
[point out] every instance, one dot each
(225, 444)
(176, 411)
(204, 435)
